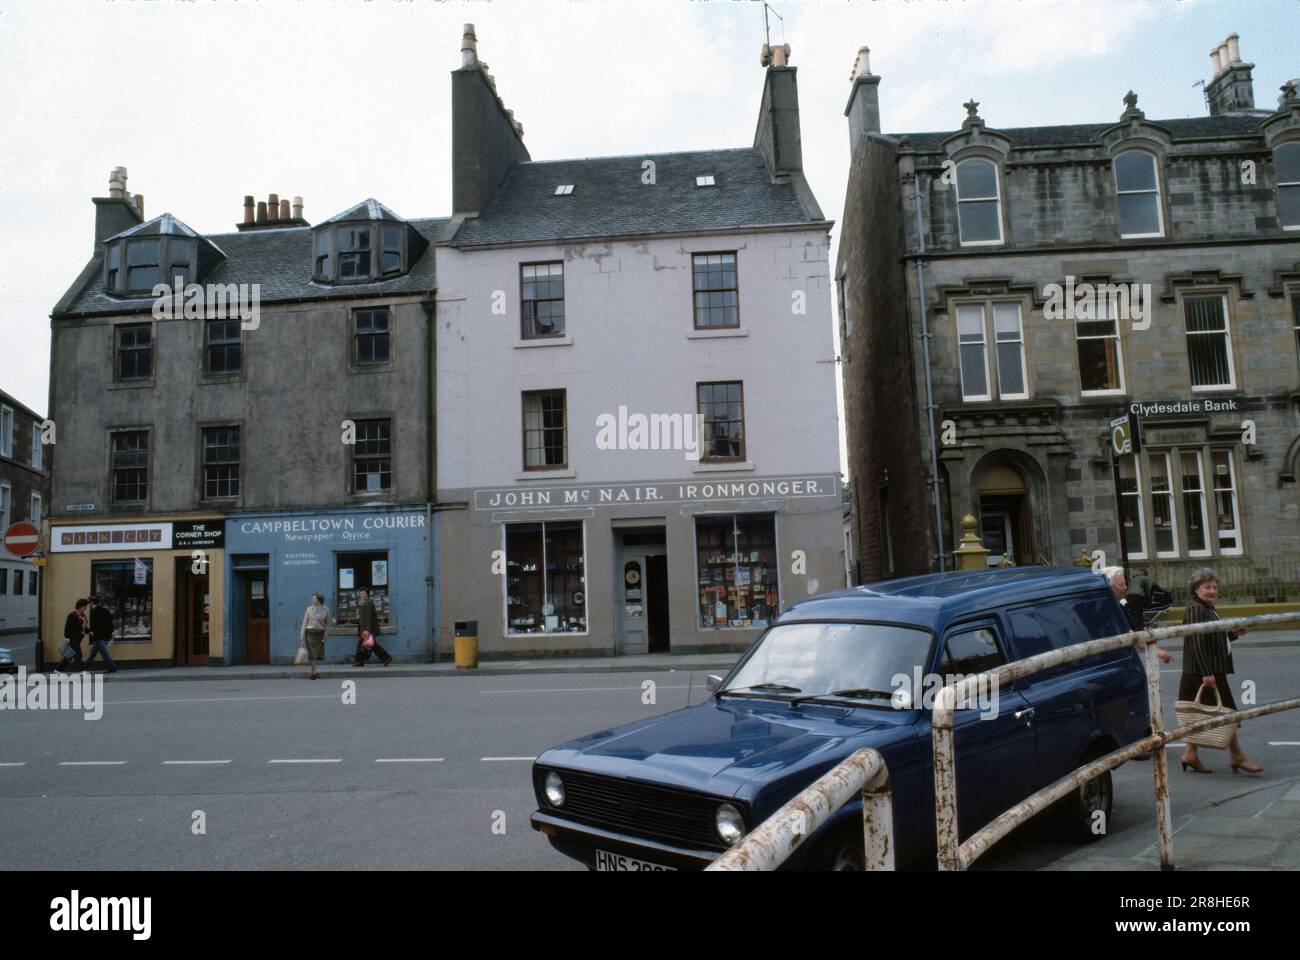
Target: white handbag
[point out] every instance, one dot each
(1190, 711)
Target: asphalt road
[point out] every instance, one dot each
(419, 773)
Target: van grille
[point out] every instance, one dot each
(668, 815)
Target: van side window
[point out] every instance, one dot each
(1063, 623)
(971, 652)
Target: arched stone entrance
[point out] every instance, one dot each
(1004, 487)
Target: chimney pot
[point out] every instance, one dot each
(284, 209)
(862, 65)
(297, 208)
(1214, 61)
(1234, 52)
(468, 47)
(249, 208)
(261, 211)
(117, 183)
(273, 207)
(139, 205)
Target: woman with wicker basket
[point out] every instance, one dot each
(1207, 661)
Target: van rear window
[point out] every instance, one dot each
(1062, 623)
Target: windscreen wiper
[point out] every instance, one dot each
(766, 687)
(857, 693)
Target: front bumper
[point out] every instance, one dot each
(580, 841)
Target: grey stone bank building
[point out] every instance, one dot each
(1005, 293)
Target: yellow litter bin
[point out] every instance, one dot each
(466, 644)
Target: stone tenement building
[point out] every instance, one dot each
(286, 437)
(1026, 370)
(24, 487)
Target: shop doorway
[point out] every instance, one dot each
(641, 590)
(250, 606)
(1004, 516)
(192, 623)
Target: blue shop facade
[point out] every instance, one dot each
(277, 560)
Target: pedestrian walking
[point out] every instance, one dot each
(1119, 586)
(101, 634)
(312, 635)
(74, 628)
(368, 623)
(1207, 661)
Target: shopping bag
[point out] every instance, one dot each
(301, 657)
(367, 640)
(1189, 711)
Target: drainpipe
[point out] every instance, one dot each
(930, 407)
(430, 473)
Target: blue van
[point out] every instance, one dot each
(852, 669)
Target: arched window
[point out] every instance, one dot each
(1286, 159)
(1137, 187)
(979, 205)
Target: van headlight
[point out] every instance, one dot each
(554, 789)
(729, 824)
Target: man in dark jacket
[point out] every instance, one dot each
(74, 628)
(368, 622)
(101, 632)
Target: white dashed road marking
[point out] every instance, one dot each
(91, 763)
(339, 760)
(190, 763)
(492, 759)
(409, 760)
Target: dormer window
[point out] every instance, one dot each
(564, 189)
(157, 252)
(979, 203)
(1286, 159)
(1137, 189)
(705, 181)
(364, 244)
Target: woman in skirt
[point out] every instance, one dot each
(1207, 660)
(312, 635)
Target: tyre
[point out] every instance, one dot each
(843, 850)
(1077, 812)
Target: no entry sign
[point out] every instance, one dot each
(22, 539)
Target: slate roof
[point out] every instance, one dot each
(1184, 128)
(609, 198)
(278, 258)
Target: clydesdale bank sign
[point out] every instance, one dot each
(669, 491)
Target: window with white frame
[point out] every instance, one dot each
(1131, 513)
(1194, 519)
(1161, 491)
(38, 449)
(1228, 514)
(1137, 189)
(1101, 358)
(4, 506)
(1209, 347)
(979, 203)
(36, 508)
(973, 321)
(6, 431)
(1286, 160)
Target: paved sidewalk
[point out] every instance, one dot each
(1257, 828)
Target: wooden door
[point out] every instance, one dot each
(257, 631)
(657, 601)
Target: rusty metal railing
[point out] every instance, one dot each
(954, 855)
(771, 843)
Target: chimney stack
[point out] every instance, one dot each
(863, 109)
(116, 212)
(486, 141)
(1230, 89)
(777, 136)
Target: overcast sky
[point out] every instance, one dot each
(335, 100)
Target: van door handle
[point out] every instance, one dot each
(1025, 715)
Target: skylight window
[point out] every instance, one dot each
(705, 181)
(564, 189)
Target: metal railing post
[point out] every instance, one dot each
(1159, 760)
(878, 821)
(945, 781)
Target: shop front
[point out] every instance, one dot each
(161, 578)
(278, 560)
(630, 568)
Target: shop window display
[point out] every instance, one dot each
(736, 570)
(545, 578)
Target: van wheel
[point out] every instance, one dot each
(1079, 810)
(842, 851)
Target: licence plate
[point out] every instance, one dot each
(616, 861)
